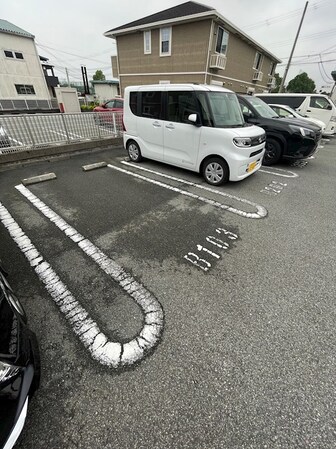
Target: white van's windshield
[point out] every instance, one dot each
(220, 109)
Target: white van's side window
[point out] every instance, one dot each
(319, 103)
(180, 106)
(151, 103)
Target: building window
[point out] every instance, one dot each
(272, 68)
(258, 61)
(222, 41)
(8, 54)
(25, 89)
(165, 41)
(147, 42)
(13, 54)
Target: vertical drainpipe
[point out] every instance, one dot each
(120, 88)
(209, 50)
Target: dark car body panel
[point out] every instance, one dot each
(19, 349)
(294, 144)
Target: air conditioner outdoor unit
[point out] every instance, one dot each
(257, 76)
(217, 61)
(271, 82)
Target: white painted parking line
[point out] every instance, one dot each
(279, 172)
(261, 211)
(76, 135)
(14, 140)
(134, 350)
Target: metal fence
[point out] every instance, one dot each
(23, 132)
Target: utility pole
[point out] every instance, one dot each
(290, 57)
(67, 75)
(85, 80)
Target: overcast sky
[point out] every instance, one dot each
(70, 32)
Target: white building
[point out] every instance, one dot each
(105, 90)
(22, 82)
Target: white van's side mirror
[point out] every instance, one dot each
(193, 118)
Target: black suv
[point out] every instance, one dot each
(285, 138)
(19, 364)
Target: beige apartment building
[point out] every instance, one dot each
(190, 43)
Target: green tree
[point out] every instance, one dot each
(301, 84)
(98, 76)
(278, 80)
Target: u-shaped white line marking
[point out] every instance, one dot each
(261, 211)
(106, 352)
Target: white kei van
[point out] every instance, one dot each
(309, 105)
(197, 127)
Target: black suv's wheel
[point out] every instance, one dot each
(215, 171)
(272, 152)
(134, 152)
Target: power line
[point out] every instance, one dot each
(284, 16)
(307, 63)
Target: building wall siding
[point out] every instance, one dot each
(15, 71)
(188, 53)
(240, 59)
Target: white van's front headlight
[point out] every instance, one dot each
(242, 142)
(333, 118)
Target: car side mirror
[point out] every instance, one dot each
(247, 116)
(193, 118)
(329, 107)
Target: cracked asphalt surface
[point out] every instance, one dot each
(247, 355)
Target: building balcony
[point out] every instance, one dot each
(217, 61)
(258, 76)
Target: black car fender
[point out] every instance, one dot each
(280, 138)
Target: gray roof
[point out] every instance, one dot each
(8, 27)
(183, 10)
(105, 81)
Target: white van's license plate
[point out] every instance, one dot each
(252, 166)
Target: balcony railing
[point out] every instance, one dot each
(257, 76)
(217, 61)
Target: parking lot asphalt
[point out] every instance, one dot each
(244, 273)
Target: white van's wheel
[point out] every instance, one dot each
(134, 152)
(215, 171)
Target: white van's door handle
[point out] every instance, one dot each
(170, 126)
(156, 125)
(308, 110)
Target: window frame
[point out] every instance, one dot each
(163, 54)
(14, 54)
(261, 60)
(147, 51)
(30, 86)
(224, 32)
(272, 69)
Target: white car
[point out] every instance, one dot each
(287, 112)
